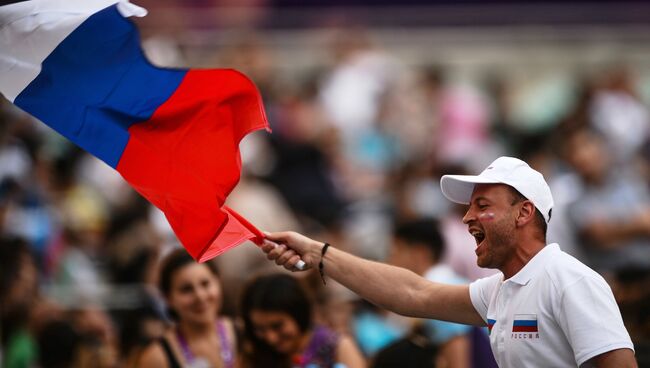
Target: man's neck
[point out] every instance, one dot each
(523, 253)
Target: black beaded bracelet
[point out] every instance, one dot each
(321, 266)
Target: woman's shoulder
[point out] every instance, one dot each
(159, 352)
(153, 355)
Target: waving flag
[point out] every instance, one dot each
(173, 134)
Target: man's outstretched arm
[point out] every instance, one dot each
(389, 287)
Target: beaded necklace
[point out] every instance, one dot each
(227, 355)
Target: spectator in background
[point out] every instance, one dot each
(24, 211)
(463, 131)
(22, 309)
(98, 348)
(618, 113)
(75, 252)
(414, 351)
(350, 92)
(199, 338)
(18, 287)
(139, 327)
(261, 204)
(59, 345)
(611, 212)
(80, 339)
(301, 171)
(133, 252)
(279, 329)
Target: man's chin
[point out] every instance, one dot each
(483, 263)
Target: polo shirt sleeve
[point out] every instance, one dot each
(480, 292)
(591, 320)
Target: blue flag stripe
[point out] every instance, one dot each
(524, 323)
(97, 83)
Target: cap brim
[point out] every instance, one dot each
(459, 188)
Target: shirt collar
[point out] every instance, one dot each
(535, 264)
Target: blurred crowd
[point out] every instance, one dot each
(355, 157)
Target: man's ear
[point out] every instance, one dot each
(526, 213)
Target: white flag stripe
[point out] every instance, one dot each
(526, 317)
(31, 30)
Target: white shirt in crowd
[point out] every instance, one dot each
(555, 312)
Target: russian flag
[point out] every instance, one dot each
(491, 323)
(173, 134)
(524, 323)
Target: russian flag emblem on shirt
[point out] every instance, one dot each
(491, 323)
(524, 323)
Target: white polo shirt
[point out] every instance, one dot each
(555, 312)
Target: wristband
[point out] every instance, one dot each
(321, 265)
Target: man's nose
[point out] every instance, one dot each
(469, 216)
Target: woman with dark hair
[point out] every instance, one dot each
(199, 337)
(279, 330)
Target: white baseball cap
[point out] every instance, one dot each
(504, 170)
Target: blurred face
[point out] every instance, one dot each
(586, 154)
(491, 219)
(25, 286)
(195, 294)
(278, 330)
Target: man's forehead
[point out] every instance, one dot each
(487, 191)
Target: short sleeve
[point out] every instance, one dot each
(591, 320)
(480, 292)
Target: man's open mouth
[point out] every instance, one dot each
(478, 235)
